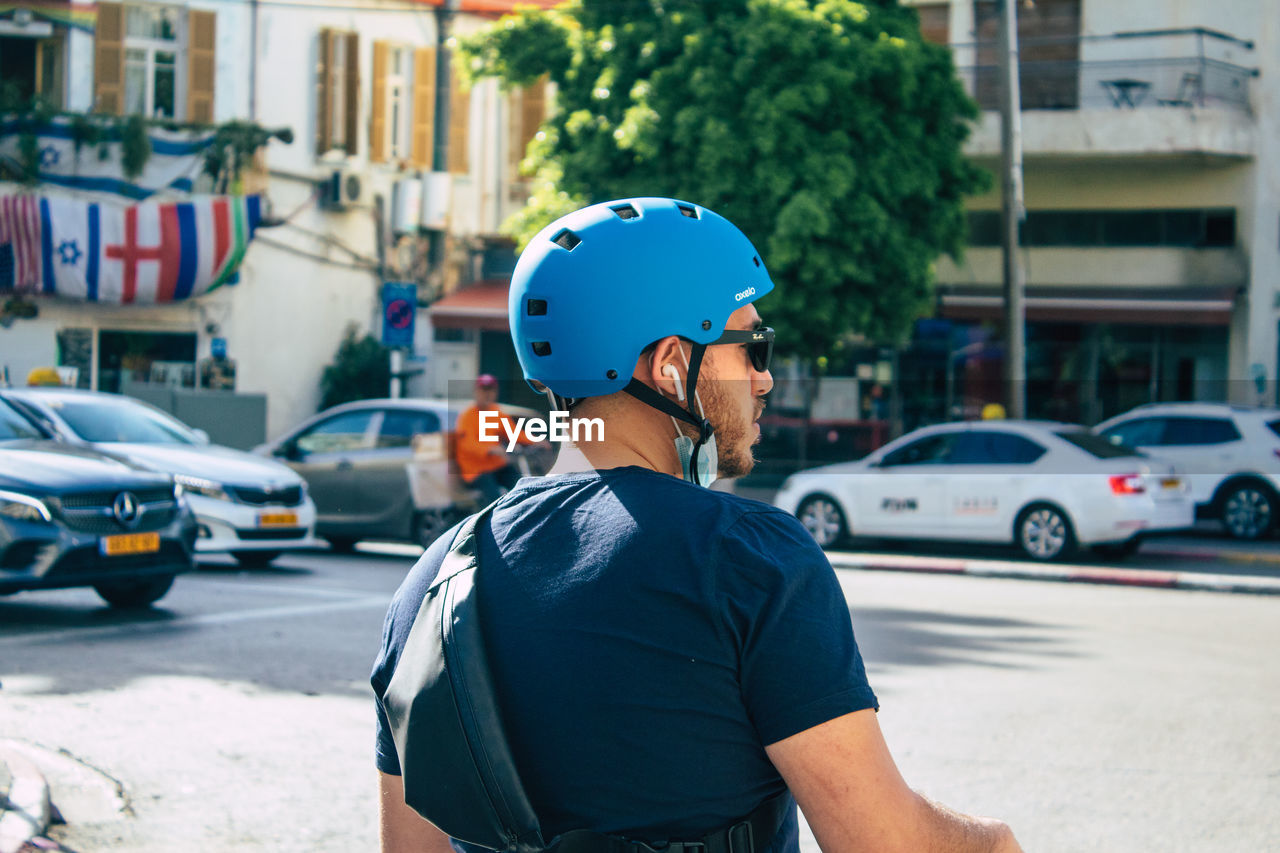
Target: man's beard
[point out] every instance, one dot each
(734, 435)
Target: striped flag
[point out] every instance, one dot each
(19, 242)
(146, 253)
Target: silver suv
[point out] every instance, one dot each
(1229, 454)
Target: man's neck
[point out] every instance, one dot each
(634, 435)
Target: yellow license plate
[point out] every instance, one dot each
(1171, 483)
(130, 543)
(278, 519)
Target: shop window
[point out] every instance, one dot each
(126, 358)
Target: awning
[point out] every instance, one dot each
(1139, 306)
(482, 305)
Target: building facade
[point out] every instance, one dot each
(354, 199)
(1151, 247)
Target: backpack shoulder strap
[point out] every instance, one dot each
(455, 762)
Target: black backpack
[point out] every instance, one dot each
(456, 766)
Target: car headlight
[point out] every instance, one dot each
(23, 507)
(202, 487)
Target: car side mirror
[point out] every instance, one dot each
(202, 437)
(288, 450)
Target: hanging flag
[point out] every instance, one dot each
(19, 242)
(176, 161)
(146, 253)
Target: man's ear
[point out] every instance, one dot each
(650, 366)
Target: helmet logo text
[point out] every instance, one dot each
(750, 291)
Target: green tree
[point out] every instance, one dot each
(828, 130)
(361, 370)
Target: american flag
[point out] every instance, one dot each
(19, 242)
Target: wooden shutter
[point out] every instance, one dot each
(459, 125)
(528, 109)
(935, 21)
(424, 107)
(108, 59)
(378, 142)
(351, 86)
(324, 92)
(202, 31)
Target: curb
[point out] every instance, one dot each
(24, 809)
(1065, 573)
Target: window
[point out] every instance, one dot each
(931, 450)
(155, 61)
(402, 117)
(338, 91)
(1140, 432)
(151, 68)
(15, 426)
(1199, 431)
(1190, 229)
(399, 427)
(1097, 446)
(984, 447)
(337, 434)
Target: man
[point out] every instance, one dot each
(666, 658)
(484, 465)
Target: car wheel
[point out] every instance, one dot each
(342, 544)
(428, 524)
(824, 520)
(134, 592)
(1043, 532)
(255, 559)
(1247, 509)
(1118, 550)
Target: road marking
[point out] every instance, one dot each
(207, 619)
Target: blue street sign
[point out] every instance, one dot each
(399, 309)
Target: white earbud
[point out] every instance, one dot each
(670, 370)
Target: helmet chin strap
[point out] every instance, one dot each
(650, 397)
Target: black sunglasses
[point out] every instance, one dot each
(759, 344)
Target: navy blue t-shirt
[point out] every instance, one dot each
(648, 638)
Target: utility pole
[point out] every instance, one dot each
(1012, 213)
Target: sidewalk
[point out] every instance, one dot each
(1251, 584)
(24, 800)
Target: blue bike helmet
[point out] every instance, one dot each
(596, 287)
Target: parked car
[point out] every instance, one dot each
(72, 517)
(251, 507)
(357, 458)
(1046, 487)
(1229, 454)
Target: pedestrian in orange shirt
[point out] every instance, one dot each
(484, 465)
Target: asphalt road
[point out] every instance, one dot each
(237, 716)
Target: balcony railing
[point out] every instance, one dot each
(1179, 68)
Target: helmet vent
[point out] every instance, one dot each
(756, 260)
(688, 210)
(626, 211)
(537, 307)
(566, 239)
(541, 347)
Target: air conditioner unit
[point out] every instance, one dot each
(343, 188)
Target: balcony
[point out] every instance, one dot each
(1174, 92)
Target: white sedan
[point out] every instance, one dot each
(252, 507)
(1046, 487)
